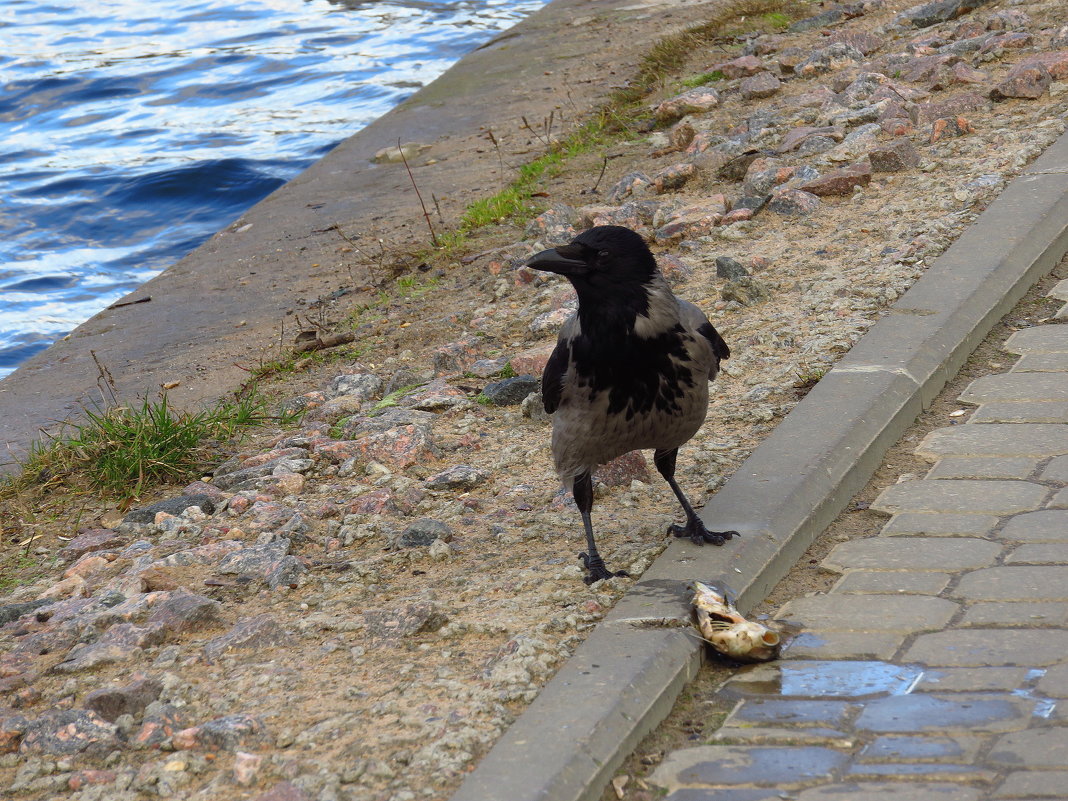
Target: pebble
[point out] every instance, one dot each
(511, 391)
(423, 532)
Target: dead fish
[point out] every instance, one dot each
(724, 628)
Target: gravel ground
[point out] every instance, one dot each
(357, 607)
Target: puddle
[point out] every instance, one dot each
(827, 679)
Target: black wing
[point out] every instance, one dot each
(552, 377)
(719, 347)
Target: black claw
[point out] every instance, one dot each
(699, 535)
(597, 569)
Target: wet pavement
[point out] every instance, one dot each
(937, 665)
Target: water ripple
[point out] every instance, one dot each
(130, 132)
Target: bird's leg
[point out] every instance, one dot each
(694, 528)
(582, 489)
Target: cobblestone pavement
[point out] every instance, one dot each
(936, 666)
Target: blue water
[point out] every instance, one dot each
(131, 131)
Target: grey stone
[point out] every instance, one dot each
(1059, 500)
(939, 11)
(1042, 553)
(994, 647)
(890, 791)
(784, 767)
(1017, 387)
(924, 712)
(1039, 339)
(971, 680)
(913, 553)
(787, 712)
(423, 532)
(1034, 784)
(1042, 363)
(511, 391)
(1047, 525)
(248, 634)
(746, 291)
(939, 525)
(951, 495)
(1016, 613)
(1022, 412)
(845, 645)
(980, 467)
(901, 748)
(361, 385)
(984, 439)
(1055, 682)
(905, 582)
(172, 506)
(9, 612)
(901, 613)
(1046, 583)
(1056, 470)
(911, 771)
(1034, 748)
(729, 268)
(459, 476)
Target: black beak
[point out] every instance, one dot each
(564, 260)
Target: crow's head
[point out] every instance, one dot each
(600, 261)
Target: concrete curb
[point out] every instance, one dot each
(623, 680)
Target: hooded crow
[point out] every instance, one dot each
(629, 371)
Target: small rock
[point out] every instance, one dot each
(1028, 80)
(553, 227)
(423, 532)
(69, 731)
(741, 67)
(533, 407)
(461, 476)
(866, 43)
(729, 268)
(633, 183)
(397, 155)
(624, 469)
(440, 550)
(130, 699)
(12, 730)
(9, 612)
(949, 127)
(746, 291)
(761, 85)
(248, 634)
(840, 181)
(361, 386)
(160, 723)
(183, 611)
(283, 791)
(484, 368)
(95, 539)
(928, 14)
(828, 59)
(896, 156)
(456, 357)
(674, 177)
(171, 506)
(693, 101)
(389, 625)
(511, 391)
(84, 778)
(793, 202)
(224, 734)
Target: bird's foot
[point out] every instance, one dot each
(596, 571)
(699, 535)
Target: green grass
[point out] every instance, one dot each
(701, 79)
(121, 451)
(777, 21)
(15, 565)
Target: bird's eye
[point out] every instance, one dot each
(602, 254)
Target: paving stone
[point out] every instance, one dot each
(784, 767)
(812, 678)
(1017, 387)
(981, 647)
(762, 735)
(982, 467)
(1015, 584)
(869, 613)
(985, 439)
(913, 553)
(948, 495)
(890, 581)
(907, 771)
(1034, 748)
(981, 679)
(846, 645)
(1056, 470)
(1039, 339)
(1055, 682)
(901, 748)
(1041, 363)
(1041, 553)
(890, 791)
(939, 525)
(1059, 291)
(1040, 526)
(1022, 412)
(788, 711)
(926, 712)
(1059, 500)
(1034, 784)
(1016, 613)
